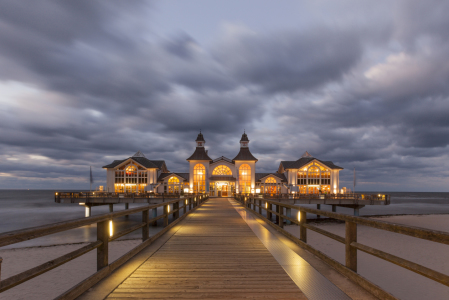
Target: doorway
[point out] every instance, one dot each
(224, 190)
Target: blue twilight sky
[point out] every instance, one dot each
(362, 83)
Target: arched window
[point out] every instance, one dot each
(222, 170)
(313, 174)
(245, 178)
(270, 180)
(199, 179)
(173, 185)
(131, 174)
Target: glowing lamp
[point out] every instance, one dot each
(266, 204)
(257, 191)
(111, 232)
(186, 190)
(299, 216)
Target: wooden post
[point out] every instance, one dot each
(185, 206)
(351, 252)
(1, 260)
(126, 207)
(111, 207)
(154, 216)
(102, 251)
(334, 208)
(318, 206)
(88, 210)
(145, 229)
(176, 210)
(166, 207)
(190, 203)
(277, 216)
(269, 207)
(280, 210)
(260, 206)
(302, 229)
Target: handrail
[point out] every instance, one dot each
(257, 205)
(104, 236)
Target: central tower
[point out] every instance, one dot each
(199, 167)
(245, 165)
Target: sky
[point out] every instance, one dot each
(364, 84)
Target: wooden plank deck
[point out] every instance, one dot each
(214, 255)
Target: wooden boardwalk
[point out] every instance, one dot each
(214, 255)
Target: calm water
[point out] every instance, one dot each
(21, 209)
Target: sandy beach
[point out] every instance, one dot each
(398, 281)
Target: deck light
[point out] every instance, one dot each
(168, 208)
(56, 194)
(111, 232)
(266, 204)
(81, 203)
(257, 191)
(299, 216)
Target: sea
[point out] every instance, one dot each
(21, 209)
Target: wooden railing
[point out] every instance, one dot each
(85, 196)
(283, 212)
(104, 236)
(356, 197)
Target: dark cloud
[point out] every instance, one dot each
(87, 82)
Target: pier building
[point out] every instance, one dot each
(222, 176)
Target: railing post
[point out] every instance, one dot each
(280, 211)
(111, 208)
(269, 207)
(176, 210)
(351, 252)
(318, 206)
(154, 216)
(166, 207)
(185, 206)
(190, 203)
(260, 206)
(145, 229)
(1, 260)
(302, 229)
(277, 216)
(102, 251)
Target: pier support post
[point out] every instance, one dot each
(190, 203)
(102, 251)
(289, 214)
(145, 229)
(175, 210)
(88, 210)
(350, 251)
(1, 260)
(334, 208)
(302, 229)
(260, 206)
(318, 206)
(154, 210)
(111, 207)
(185, 206)
(356, 212)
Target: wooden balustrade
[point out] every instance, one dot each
(104, 236)
(85, 196)
(257, 205)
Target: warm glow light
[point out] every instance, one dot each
(81, 203)
(299, 216)
(379, 195)
(56, 194)
(257, 191)
(168, 208)
(266, 204)
(186, 190)
(110, 228)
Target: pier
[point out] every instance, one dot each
(223, 248)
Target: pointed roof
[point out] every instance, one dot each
(306, 154)
(200, 138)
(145, 162)
(245, 154)
(199, 154)
(305, 160)
(139, 154)
(244, 138)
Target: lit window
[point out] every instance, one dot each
(245, 178)
(222, 170)
(199, 179)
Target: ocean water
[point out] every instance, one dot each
(29, 208)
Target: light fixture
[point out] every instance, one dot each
(168, 208)
(257, 191)
(111, 232)
(56, 194)
(299, 216)
(266, 204)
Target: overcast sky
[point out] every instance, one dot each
(364, 84)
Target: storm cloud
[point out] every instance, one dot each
(364, 85)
